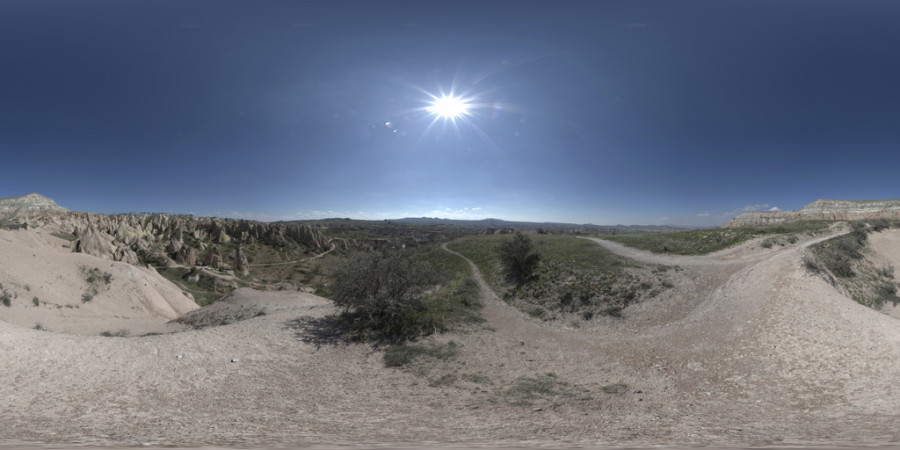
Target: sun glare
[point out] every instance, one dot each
(449, 107)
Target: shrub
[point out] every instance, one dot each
(88, 295)
(879, 224)
(382, 295)
(840, 264)
(811, 264)
(402, 355)
(36, 301)
(518, 258)
(121, 333)
(40, 327)
(5, 298)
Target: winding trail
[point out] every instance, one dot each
(737, 345)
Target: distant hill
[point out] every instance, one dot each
(823, 209)
(547, 226)
(28, 203)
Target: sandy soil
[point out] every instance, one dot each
(746, 349)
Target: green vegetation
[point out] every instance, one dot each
(527, 389)
(395, 296)
(518, 258)
(5, 297)
(66, 236)
(701, 242)
(574, 277)
(36, 301)
(88, 295)
(401, 355)
(96, 277)
(40, 327)
(121, 333)
(200, 285)
(96, 280)
(842, 261)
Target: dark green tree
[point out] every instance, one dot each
(518, 257)
(382, 295)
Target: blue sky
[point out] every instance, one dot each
(605, 112)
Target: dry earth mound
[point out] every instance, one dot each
(48, 287)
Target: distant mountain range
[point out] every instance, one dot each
(547, 226)
(13, 206)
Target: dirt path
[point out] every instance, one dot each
(746, 349)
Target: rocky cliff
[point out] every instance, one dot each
(161, 239)
(823, 209)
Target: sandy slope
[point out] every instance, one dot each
(746, 349)
(36, 265)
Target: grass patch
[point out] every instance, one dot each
(615, 388)
(402, 355)
(575, 277)
(701, 242)
(202, 287)
(527, 389)
(66, 236)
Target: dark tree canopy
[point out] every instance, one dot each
(518, 258)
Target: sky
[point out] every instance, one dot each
(606, 112)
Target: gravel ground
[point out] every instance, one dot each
(747, 349)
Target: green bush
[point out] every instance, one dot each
(518, 258)
(382, 295)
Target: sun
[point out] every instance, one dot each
(449, 107)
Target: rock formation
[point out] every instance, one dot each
(213, 257)
(823, 209)
(174, 247)
(240, 262)
(187, 256)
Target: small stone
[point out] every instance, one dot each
(234, 360)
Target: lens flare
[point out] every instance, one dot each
(449, 107)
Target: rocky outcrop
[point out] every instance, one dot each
(174, 247)
(28, 203)
(95, 244)
(213, 257)
(823, 209)
(187, 256)
(240, 262)
(103, 246)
